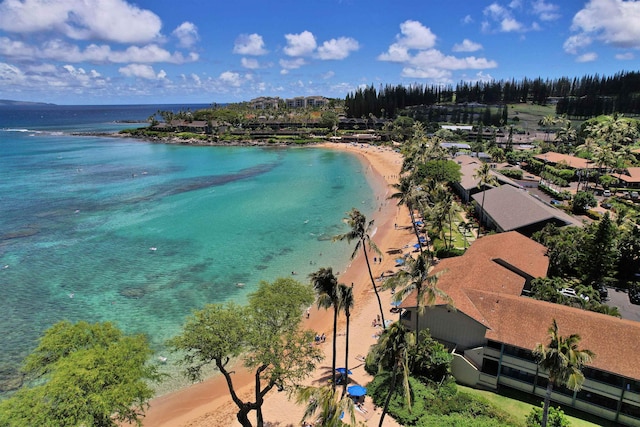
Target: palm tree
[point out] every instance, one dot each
(546, 122)
(360, 232)
(326, 286)
(416, 278)
(410, 196)
(346, 300)
(485, 178)
(323, 403)
(563, 361)
(392, 351)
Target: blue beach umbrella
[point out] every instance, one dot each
(400, 261)
(396, 303)
(423, 239)
(417, 246)
(343, 371)
(419, 223)
(356, 390)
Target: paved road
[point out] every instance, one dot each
(620, 299)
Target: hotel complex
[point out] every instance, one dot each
(263, 103)
(492, 328)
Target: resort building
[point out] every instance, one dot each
(507, 208)
(630, 177)
(572, 162)
(468, 184)
(263, 103)
(492, 328)
(304, 102)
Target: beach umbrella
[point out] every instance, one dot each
(396, 303)
(343, 371)
(417, 246)
(422, 239)
(419, 223)
(400, 261)
(356, 390)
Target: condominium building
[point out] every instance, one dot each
(491, 329)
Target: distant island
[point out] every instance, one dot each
(9, 102)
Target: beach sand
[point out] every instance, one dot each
(208, 403)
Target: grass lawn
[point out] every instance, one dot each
(519, 405)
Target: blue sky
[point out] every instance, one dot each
(202, 51)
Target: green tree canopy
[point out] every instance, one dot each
(266, 332)
(438, 170)
(84, 375)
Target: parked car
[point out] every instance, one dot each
(606, 193)
(555, 202)
(605, 204)
(634, 195)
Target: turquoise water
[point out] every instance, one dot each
(110, 229)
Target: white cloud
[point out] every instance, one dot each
(466, 46)
(625, 56)
(395, 53)
(250, 63)
(467, 19)
(187, 34)
(109, 20)
(414, 35)
(338, 48)
(59, 50)
(143, 71)
(503, 17)
(10, 75)
(574, 43)
(435, 59)
(292, 64)
(428, 73)
(249, 44)
(328, 75)
(545, 11)
(302, 44)
(231, 78)
(587, 57)
(613, 22)
(429, 62)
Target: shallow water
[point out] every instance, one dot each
(110, 229)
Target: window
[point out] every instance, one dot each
(518, 375)
(597, 399)
(490, 367)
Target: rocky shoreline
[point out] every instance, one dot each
(197, 141)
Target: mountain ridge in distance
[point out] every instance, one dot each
(9, 102)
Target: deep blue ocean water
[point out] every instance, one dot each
(140, 234)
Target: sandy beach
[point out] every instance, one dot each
(208, 403)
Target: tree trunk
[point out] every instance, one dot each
(243, 417)
(346, 354)
(333, 359)
(394, 375)
(415, 228)
(545, 406)
(481, 214)
(373, 283)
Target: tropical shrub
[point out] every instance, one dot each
(512, 173)
(440, 405)
(448, 252)
(634, 293)
(556, 418)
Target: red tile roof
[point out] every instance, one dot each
(483, 288)
(572, 161)
(632, 177)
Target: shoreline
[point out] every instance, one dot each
(208, 403)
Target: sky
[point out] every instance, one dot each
(206, 51)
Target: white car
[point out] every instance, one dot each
(569, 292)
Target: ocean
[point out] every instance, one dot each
(140, 234)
